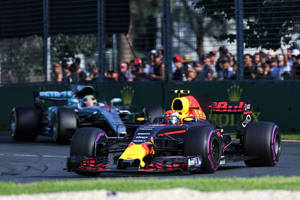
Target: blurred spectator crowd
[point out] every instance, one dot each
(216, 65)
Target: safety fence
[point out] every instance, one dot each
(147, 40)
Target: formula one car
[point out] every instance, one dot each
(72, 109)
(181, 139)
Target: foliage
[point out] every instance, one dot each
(22, 56)
(266, 23)
(187, 14)
(290, 136)
(144, 14)
(67, 46)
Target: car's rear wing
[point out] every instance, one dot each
(230, 107)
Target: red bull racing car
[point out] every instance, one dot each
(180, 139)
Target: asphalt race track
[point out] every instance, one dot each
(44, 160)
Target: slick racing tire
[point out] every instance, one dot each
(65, 124)
(84, 143)
(152, 112)
(24, 123)
(205, 143)
(262, 142)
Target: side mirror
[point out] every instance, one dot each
(73, 101)
(115, 100)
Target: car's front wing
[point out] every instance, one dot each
(160, 164)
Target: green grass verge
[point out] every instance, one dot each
(290, 136)
(284, 136)
(133, 184)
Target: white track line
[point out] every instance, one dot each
(24, 155)
(32, 155)
(53, 156)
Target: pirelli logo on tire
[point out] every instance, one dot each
(194, 162)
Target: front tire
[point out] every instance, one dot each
(204, 142)
(262, 142)
(24, 123)
(84, 143)
(65, 124)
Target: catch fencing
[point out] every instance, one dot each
(36, 36)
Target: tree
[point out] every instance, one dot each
(67, 46)
(201, 25)
(144, 14)
(23, 57)
(267, 24)
(144, 26)
(142, 31)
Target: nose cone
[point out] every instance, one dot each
(137, 151)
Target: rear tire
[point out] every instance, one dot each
(64, 126)
(153, 112)
(24, 123)
(84, 143)
(262, 141)
(204, 142)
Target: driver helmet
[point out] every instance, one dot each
(172, 117)
(89, 100)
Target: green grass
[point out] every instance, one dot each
(290, 136)
(284, 136)
(133, 184)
